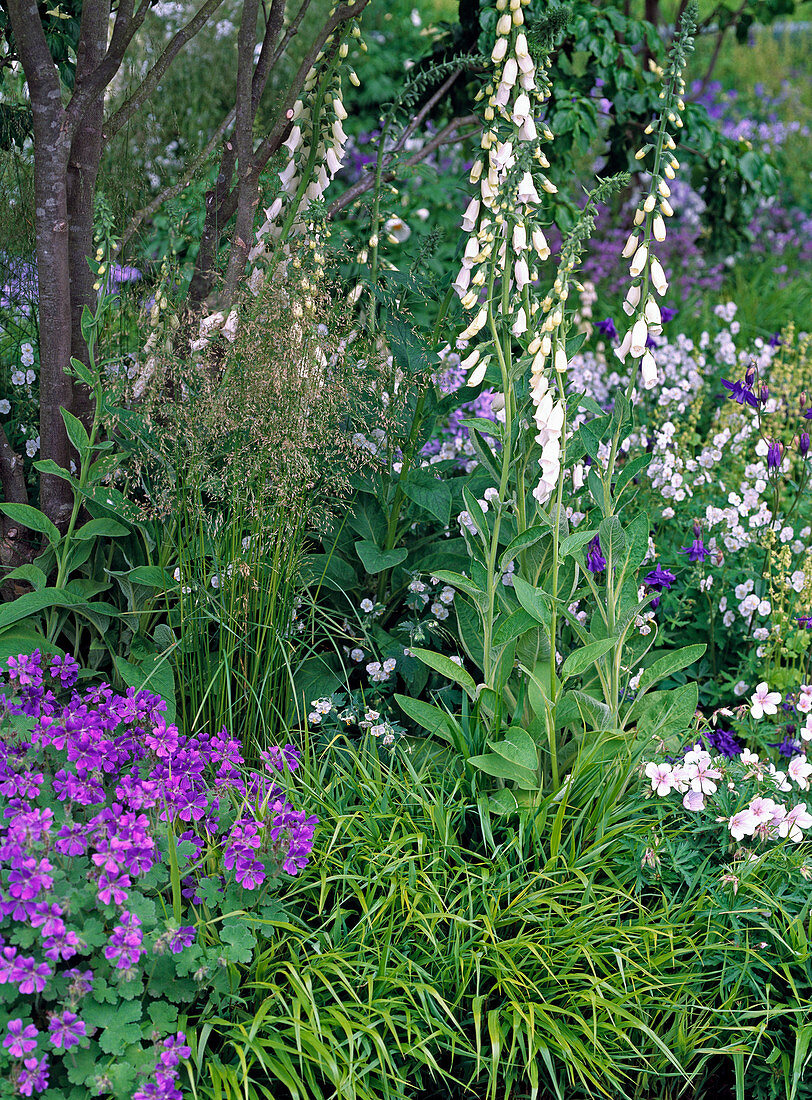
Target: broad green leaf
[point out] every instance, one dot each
(376, 560)
(581, 659)
(518, 747)
(521, 542)
(503, 802)
(431, 718)
(631, 469)
(576, 541)
(535, 602)
(31, 603)
(329, 571)
(76, 432)
(485, 454)
(613, 541)
(429, 492)
(33, 519)
(513, 626)
(662, 713)
(446, 667)
(670, 663)
(486, 427)
(22, 639)
(590, 712)
(81, 370)
(113, 501)
(497, 766)
(29, 573)
(457, 580)
(152, 576)
(101, 528)
(154, 674)
(48, 466)
(367, 518)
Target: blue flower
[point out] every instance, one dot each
(595, 561)
(724, 742)
(774, 454)
(659, 578)
(607, 328)
(667, 314)
(740, 393)
(697, 551)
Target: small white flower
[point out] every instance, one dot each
(367, 605)
(5, 407)
(357, 654)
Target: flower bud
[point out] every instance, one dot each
(658, 228)
(764, 395)
(504, 24)
(560, 361)
(648, 205)
(630, 246)
(639, 261)
(499, 50)
(652, 311)
(648, 367)
(658, 276)
(750, 377)
(803, 444)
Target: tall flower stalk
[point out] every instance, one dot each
(525, 563)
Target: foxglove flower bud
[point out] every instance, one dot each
(652, 311)
(540, 244)
(639, 337)
(630, 246)
(632, 299)
(470, 216)
(519, 237)
(560, 361)
(648, 367)
(639, 261)
(658, 228)
(499, 50)
(658, 276)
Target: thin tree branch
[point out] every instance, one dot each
(180, 185)
(150, 82)
(291, 31)
(267, 58)
(447, 136)
(247, 196)
(425, 110)
(93, 84)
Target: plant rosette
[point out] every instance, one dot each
(122, 842)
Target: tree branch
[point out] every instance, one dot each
(267, 58)
(247, 196)
(12, 476)
(447, 136)
(150, 82)
(180, 185)
(40, 72)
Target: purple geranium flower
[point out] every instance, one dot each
(20, 1040)
(66, 1030)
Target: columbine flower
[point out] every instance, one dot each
(764, 701)
(740, 392)
(774, 454)
(659, 578)
(697, 551)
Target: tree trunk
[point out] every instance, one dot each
(53, 270)
(83, 168)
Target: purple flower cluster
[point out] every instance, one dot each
(94, 781)
(165, 1075)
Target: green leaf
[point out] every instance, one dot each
(431, 718)
(485, 454)
(475, 512)
(576, 541)
(376, 560)
(582, 659)
(613, 541)
(535, 602)
(31, 603)
(24, 640)
(521, 542)
(513, 626)
(446, 667)
(670, 663)
(240, 938)
(586, 707)
(48, 466)
(101, 528)
(329, 571)
(457, 580)
(486, 427)
(152, 576)
(33, 519)
(29, 573)
(662, 713)
(76, 432)
(429, 492)
(113, 501)
(497, 766)
(519, 747)
(81, 371)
